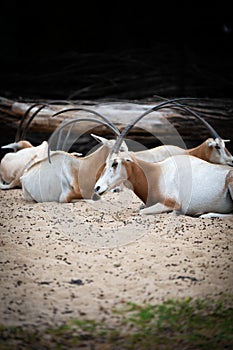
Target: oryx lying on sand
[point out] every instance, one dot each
(13, 165)
(211, 150)
(183, 183)
(66, 178)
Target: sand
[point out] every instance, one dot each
(84, 260)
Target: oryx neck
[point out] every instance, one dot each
(201, 152)
(138, 179)
(145, 177)
(100, 150)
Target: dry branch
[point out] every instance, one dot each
(218, 112)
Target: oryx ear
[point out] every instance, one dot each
(76, 154)
(100, 139)
(226, 141)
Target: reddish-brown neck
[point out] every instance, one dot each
(137, 178)
(201, 151)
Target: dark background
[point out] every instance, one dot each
(84, 50)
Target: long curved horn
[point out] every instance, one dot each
(212, 131)
(126, 130)
(77, 120)
(172, 103)
(89, 111)
(31, 119)
(20, 131)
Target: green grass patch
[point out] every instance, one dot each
(187, 324)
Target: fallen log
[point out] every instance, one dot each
(156, 128)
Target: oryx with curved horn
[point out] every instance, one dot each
(14, 164)
(62, 177)
(183, 183)
(212, 150)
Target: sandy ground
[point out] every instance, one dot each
(63, 261)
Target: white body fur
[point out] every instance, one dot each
(66, 178)
(13, 164)
(213, 151)
(183, 183)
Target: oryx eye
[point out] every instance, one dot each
(217, 147)
(114, 165)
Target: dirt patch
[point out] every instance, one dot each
(82, 260)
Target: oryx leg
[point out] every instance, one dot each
(214, 215)
(7, 186)
(155, 209)
(164, 206)
(65, 196)
(70, 193)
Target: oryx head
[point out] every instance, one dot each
(113, 173)
(219, 153)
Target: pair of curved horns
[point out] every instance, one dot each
(105, 119)
(172, 103)
(212, 131)
(21, 130)
(77, 120)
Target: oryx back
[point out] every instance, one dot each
(46, 182)
(159, 153)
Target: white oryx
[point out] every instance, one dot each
(211, 150)
(65, 178)
(25, 154)
(13, 165)
(183, 183)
